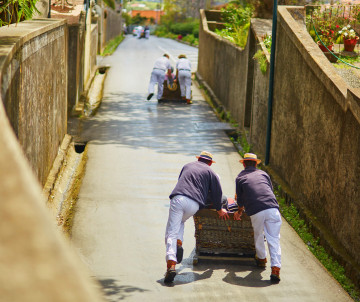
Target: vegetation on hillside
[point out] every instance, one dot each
(187, 31)
(177, 23)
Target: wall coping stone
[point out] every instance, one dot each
(14, 36)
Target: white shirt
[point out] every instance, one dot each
(183, 63)
(162, 63)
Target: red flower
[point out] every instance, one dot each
(337, 26)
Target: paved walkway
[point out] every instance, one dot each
(136, 150)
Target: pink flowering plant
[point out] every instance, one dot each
(332, 23)
(322, 27)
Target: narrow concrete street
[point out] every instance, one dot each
(136, 150)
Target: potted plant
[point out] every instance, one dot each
(349, 37)
(323, 29)
(326, 41)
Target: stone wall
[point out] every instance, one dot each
(315, 138)
(36, 262)
(34, 88)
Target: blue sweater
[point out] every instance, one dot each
(196, 181)
(254, 191)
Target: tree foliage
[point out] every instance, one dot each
(14, 11)
(110, 3)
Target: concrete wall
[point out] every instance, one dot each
(36, 262)
(93, 47)
(34, 88)
(258, 86)
(75, 63)
(315, 138)
(77, 86)
(226, 71)
(112, 26)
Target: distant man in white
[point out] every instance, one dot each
(161, 66)
(183, 75)
(139, 31)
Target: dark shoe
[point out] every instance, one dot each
(150, 96)
(170, 275)
(179, 253)
(275, 274)
(260, 262)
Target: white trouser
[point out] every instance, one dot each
(181, 209)
(157, 76)
(185, 83)
(267, 222)
(147, 34)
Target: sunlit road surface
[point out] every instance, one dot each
(136, 150)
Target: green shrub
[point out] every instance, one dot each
(190, 39)
(189, 31)
(112, 45)
(161, 31)
(196, 32)
(237, 24)
(184, 28)
(262, 60)
(267, 42)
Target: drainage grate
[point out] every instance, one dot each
(79, 147)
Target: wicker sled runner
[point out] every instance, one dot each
(171, 93)
(218, 239)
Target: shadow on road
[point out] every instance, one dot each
(127, 119)
(116, 292)
(241, 273)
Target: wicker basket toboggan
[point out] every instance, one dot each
(223, 237)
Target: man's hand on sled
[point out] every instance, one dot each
(223, 214)
(237, 214)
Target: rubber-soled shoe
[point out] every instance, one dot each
(170, 275)
(150, 96)
(179, 253)
(188, 101)
(260, 262)
(275, 274)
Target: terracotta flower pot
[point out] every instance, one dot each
(349, 44)
(323, 48)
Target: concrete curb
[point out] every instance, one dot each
(95, 92)
(55, 170)
(63, 184)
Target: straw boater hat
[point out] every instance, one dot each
(250, 156)
(206, 155)
(181, 56)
